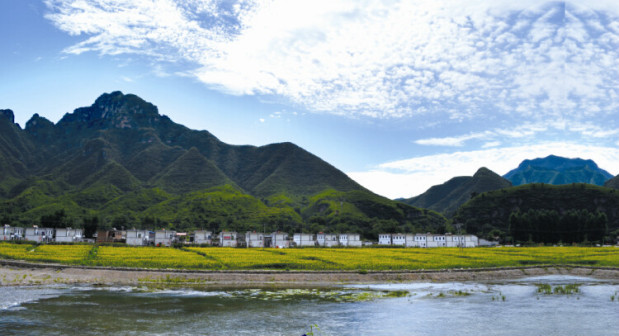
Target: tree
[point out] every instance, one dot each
(56, 220)
(90, 226)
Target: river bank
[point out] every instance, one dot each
(18, 273)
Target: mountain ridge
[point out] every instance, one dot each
(557, 170)
(120, 147)
(447, 197)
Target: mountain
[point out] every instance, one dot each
(612, 183)
(447, 197)
(543, 213)
(557, 170)
(121, 161)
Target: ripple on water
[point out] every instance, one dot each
(12, 298)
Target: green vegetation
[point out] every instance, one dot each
(363, 212)
(542, 213)
(573, 226)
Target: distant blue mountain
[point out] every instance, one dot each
(558, 170)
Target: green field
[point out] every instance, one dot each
(215, 258)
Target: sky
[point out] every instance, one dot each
(400, 95)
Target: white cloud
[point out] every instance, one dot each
(452, 141)
(460, 60)
(528, 132)
(407, 178)
(491, 144)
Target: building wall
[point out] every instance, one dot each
(68, 235)
(203, 237)
(280, 240)
(228, 239)
(304, 239)
(39, 235)
(12, 233)
(138, 237)
(327, 239)
(165, 238)
(253, 239)
(398, 239)
(354, 240)
(384, 239)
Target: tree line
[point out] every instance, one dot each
(550, 226)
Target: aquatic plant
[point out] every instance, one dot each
(568, 289)
(314, 331)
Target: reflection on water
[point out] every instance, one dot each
(501, 308)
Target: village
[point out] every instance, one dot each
(249, 239)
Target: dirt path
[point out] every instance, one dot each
(22, 273)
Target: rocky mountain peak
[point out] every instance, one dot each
(483, 171)
(115, 110)
(7, 114)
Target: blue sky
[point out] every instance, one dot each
(400, 95)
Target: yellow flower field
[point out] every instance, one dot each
(149, 257)
(212, 258)
(65, 254)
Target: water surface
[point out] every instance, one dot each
(468, 308)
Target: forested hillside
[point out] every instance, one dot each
(544, 213)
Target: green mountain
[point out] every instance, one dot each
(544, 213)
(447, 197)
(558, 170)
(123, 163)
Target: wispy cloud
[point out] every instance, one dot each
(457, 141)
(452, 59)
(407, 178)
(586, 132)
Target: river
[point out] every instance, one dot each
(513, 307)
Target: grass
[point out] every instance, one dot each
(350, 259)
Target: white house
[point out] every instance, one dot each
(466, 240)
(12, 233)
(7, 233)
(39, 235)
(398, 239)
(436, 240)
(68, 235)
(384, 239)
(202, 237)
(484, 242)
(409, 240)
(139, 237)
(228, 239)
(327, 239)
(417, 240)
(304, 239)
(350, 239)
(450, 241)
(280, 240)
(165, 238)
(254, 239)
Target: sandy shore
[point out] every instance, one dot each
(16, 273)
